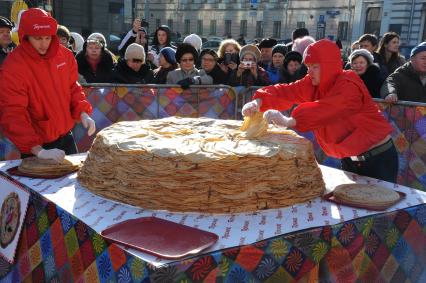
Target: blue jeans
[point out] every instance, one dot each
(383, 166)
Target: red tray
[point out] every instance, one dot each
(330, 197)
(14, 171)
(160, 237)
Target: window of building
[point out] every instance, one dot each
(259, 29)
(170, 23)
(372, 21)
(276, 30)
(115, 8)
(300, 24)
(187, 28)
(200, 27)
(396, 28)
(157, 22)
(342, 30)
(228, 25)
(320, 30)
(213, 27)
(243, 27)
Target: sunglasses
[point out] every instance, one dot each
(187, 60)
(137, 60)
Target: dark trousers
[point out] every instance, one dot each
(383, 166)
(66, 143)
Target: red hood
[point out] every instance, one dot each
(37, 22)
(327, 54)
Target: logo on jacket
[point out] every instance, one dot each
(61, 65)
(38, 27)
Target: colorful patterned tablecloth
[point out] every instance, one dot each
(62, 244)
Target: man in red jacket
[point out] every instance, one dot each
(40, 99)
(337, 107)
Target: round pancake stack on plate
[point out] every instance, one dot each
(365, 194)
(201, 165)
(48, 167)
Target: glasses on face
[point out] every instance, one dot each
(187, 60)
(137, 61)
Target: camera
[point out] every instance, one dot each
(230, 57)
(247, 64)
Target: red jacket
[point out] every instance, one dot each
(40, 99)
(340, 111)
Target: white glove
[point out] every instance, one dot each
(88, 123)
(251, 107)
(275, 117)
(54, 153)
(391, 98)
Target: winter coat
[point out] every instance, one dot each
(274, 74)
(160, 74)
(175, 76)
(287, 78)
(103, 71)
(5, 51)
(125, 75)
(340, 111)
(219, 76)
(388, 68)
(126, 40)
(40, 99)
(406, 84)
(373, 80)
(247, 79)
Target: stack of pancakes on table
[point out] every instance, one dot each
(202, 165)
(47, 167)
(365, 194)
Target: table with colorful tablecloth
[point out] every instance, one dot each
(313, 241)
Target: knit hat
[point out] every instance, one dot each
(169, 54)
(210, 52)
(364, 53)
(135, 51)
(79, 41)
(37, 22)
(267, 43)
(292, 56)
(63, 32)
(279, 48)
(419, 48)
(96, 36)
(5, 23)
(250, 49)
(194, 40)
(299, 32)
(185, 48)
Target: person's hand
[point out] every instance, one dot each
(223, 67)
(251, 107)
(186, 83)
(88, 123)
(241, 69)
(275, 117)
(253, 69)
(150, 57)
(391, 98)
(55, 154)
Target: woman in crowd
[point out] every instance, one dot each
(248, 72)
(162, 38)
(187, 74)
(275, 68)
(76, 42)
(228, 53)
(167, 64)
(361, 62)
(209, 65)
(389, 59)
(95, 62)
(132, 68)
(291, 67)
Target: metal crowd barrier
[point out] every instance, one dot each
(113, 103)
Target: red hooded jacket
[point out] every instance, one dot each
(345, 120)
(40, 99)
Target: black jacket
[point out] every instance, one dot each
(160, 74)
(372, 78)
(406, 84)
(5, 52)
(103, 71)
(125, 75)
(219, 76)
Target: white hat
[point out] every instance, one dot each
(79, 41)
(362, 52)
(194, 40)
(135, 51)
(99, 37)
